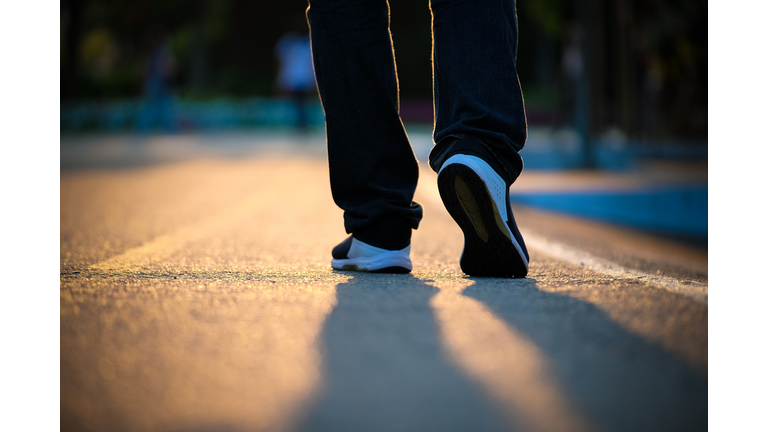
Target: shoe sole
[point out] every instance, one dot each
(394, 262)
(490, 249)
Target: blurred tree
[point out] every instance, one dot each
(645, 62)
(71, 23)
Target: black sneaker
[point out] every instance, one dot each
(478, 200)
(354, 255)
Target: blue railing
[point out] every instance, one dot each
(174, 114)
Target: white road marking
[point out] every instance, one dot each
(696, 290)
(693, 289)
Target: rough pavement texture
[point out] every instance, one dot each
(199, 296)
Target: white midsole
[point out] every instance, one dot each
(378, 262)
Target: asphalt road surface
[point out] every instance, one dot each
(198, 296)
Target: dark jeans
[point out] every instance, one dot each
(477, 96)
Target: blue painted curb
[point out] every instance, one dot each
(678, 210)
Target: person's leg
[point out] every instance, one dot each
(476, 89)
(480, 127)
(373, 169)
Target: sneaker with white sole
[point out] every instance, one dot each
(355, 255)
(478, 200)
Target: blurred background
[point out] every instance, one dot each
(609, 86)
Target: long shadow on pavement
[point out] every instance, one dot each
(615, 378)
(385, 369)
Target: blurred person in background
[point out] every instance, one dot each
(158, 101)
(296, 76)
(479, 129)
(572, 68)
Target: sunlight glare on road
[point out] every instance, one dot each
(503, 361)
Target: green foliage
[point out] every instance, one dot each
(225, 48)
(549, 15)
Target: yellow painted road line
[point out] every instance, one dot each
(164, 246)
(199, 351)
(510, 367)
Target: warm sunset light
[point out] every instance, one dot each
(383, 216)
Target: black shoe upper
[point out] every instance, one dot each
(342, 249)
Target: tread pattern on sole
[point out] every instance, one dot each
(469, 205)
(497, 256)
